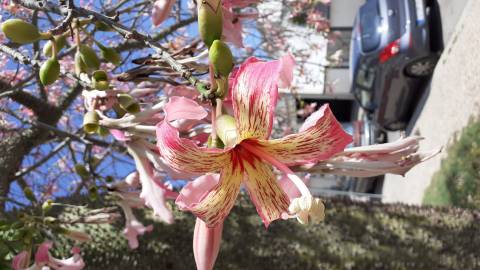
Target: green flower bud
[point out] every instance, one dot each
(210, 20)
(111, 55)
(221, 58)
(49, 71)
(100, 80)
(81, 170)
(89, 57)
(103, 131)
(109, 179)
(29, 194)
(47, 205)
(80, 66)
(226, 129)
(91, 122)
(101, 26)
(60, 42)
(92, 193)
(128, 103)
(22, 32)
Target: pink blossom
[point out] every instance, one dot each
(249, 158)
(133, 227)
(206, 244)
(161, 10)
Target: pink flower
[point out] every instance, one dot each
(133, 227)
(373, 160)
(161, 10)
(154, 192)
(21, 260)
(249, 155)
(44, 259)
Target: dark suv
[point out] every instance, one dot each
(391, 58)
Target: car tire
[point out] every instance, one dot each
(421, 67)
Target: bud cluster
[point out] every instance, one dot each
(210, 26)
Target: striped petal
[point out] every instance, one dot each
(319, 138)
(215, 205)
(184, 155)
(265, 192)
(254, 95)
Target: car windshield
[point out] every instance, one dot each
(370, 21)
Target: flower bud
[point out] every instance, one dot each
(128, 103)
(80, 66)
(101, 26)
(89, 57)
(60, 42)
(226, 129)
(47, 205)
(81, 170)
(92, 193)
(210, 21)
(91, 122)
(111, 55)
(22, 32)
(49, 71)
(221, 58)
(100, 80)
(29, 194)
(103, 131)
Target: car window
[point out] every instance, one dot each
(365, 76)
(370, 21)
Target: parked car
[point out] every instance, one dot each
(392, 56)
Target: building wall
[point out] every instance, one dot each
(342, 12)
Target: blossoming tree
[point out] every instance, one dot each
(101, 101)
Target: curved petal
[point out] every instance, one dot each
(161, 10)
(195, 191)
(254, 95)
(206, 244)
(264, 190)
(20, 261)
(320, 137)
(184, 108)
(183, 155)
(214, 206)
(152, 193)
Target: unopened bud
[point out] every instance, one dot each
(226, 130)
(22, 32)
(29, 194)
(49, 71)
(110, 54)
(89, 57)
(221, 58)
(92, 193)
(128, 103)
(91, 122)
(210, 20)
(101, 26)
(47, 205)
(81, 170)
(60, 42)
(308, 209)
(100, 80)
(80, 66)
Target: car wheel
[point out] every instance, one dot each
(421, 67)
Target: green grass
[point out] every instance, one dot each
(457, 183)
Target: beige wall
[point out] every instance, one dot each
(342, 12)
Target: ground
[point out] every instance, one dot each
(452, 99)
